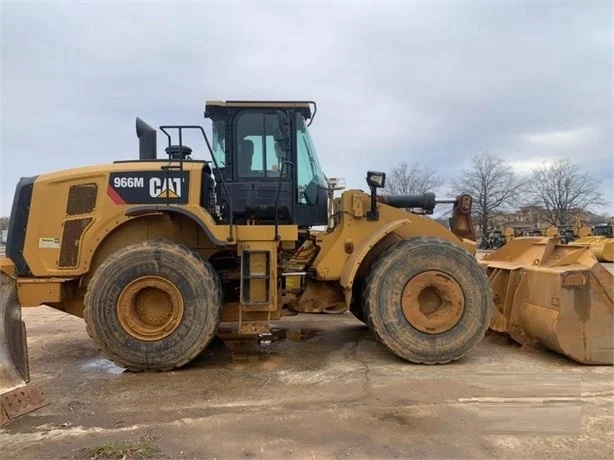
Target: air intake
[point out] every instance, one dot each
(178, 152)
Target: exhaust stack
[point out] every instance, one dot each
(148, 139)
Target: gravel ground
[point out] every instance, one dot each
(327, 391)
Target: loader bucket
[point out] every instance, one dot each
(16, 397)
(602, 247)
(554, 295)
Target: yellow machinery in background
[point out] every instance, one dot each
(580, 230)
(601, 241)
(509, 233)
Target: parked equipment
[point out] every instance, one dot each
(156, 253)
(580, 230)
(604, 229)
(509, 233)
(494, 240)
(601, 243)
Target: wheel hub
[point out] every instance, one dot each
(150, 308)
(433, 302)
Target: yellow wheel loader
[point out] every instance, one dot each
(156, 254)
(600, 241)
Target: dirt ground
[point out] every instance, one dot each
(327, 390)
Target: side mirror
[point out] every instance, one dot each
(376, 179)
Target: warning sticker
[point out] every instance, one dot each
(49, 243)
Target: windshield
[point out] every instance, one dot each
(219, 142)
(603, 230)
(308, 168)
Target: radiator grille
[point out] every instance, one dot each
(71, 241)
(81, 199)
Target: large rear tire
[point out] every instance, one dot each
(153, 306)
(427, 300)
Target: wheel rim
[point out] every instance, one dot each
(150, 308)
(433, 302)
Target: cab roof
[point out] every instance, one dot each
(303, 106)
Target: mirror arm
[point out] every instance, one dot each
(373, 214)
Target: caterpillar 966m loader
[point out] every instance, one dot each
(155, 254)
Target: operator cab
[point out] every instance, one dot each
(268, 168)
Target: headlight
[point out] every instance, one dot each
(376, 179)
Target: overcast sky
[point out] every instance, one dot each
(433, 82)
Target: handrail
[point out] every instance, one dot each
(200, 128)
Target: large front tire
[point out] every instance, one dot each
(153, 306)
(427, 300)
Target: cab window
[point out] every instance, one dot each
(258, 153)
(218, 139)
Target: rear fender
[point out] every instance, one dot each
(144, 210)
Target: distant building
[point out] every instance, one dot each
(530, 217)
(4, 236)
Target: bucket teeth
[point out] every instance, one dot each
(558, 296)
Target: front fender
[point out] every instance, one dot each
(354, 261)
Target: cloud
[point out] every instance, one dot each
(561, 139)
(433, 82)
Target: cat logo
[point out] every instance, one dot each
(165, 187)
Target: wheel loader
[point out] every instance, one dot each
(159, 255)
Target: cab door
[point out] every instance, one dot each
(260, 177)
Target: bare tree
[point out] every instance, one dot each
(4, 223)
(560, 187)
(410, 179)
(595, 219)
(492, 183)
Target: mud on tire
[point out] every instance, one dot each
(389, 299)
(197, 289)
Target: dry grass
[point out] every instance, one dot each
(145, 448)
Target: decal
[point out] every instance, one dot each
(161, 188)
(123, 182)
(49, 243)
(149, 187)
